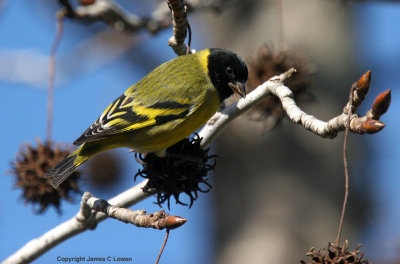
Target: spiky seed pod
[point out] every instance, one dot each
(183, 170)
(337, 255)
(28, 169)
(267, 64)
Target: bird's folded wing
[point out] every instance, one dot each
(126, 114)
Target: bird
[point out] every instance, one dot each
(163, 108)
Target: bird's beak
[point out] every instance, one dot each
(238, 87)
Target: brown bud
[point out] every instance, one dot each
(87, 2)
(172, 222)
(381, 103)
(363, 84)
(372, 126)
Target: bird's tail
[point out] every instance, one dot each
(63, 169)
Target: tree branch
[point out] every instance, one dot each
(122, 20)
(158, 220)
(38, 246)
(275, 86)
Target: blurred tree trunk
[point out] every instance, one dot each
(279, 193)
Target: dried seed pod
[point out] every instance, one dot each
(183, 170)
(337, 255)
(28, 169)
(267, 64)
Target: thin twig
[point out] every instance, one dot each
(346, 168)
(179, 26)
(52, 65)
(189, 38)
(163, 246)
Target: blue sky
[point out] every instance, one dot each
(85, 86)
(376, 29)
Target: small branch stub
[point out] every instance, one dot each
(158, 220)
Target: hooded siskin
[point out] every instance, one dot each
(167, 105)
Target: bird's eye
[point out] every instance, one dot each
(229, 71)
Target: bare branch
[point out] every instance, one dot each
(38, 246)
(275, 86)
(222, 118)
(114, 15)
(158, 220)
(122, 20)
